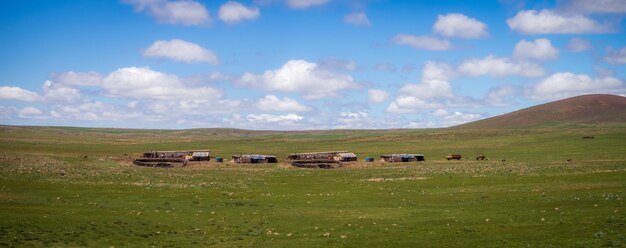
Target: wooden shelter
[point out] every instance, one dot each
(402, 157)
(254, 159)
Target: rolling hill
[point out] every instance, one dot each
(585, 109)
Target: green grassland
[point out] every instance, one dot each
(76, 187)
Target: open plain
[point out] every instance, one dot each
(77, 187)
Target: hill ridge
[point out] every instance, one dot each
(584, 109)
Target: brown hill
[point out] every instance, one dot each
(585, 109)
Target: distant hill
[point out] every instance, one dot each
(585, 109)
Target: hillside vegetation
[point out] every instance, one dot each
(587, 109)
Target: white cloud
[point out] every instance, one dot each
(302, 4)
(273, 103)
(500, 67)
(377, 96)
(500, 95)
(428, 89)
(444, 118)
(616, 56)
(89, 110)
(578, 45)
(539, 49)
(421, 42)
(566, 84)
(432, 71)
(433, 92)
(78, 78)
(31, 113)
(357, 19)
(352, 120)
(548, 22)
(266, 118)
(180, 50)
(435, 82)
(302, 77)
(459, 25)
(448, 119)
(411, 104)
(59, 92)
(143, 83)
(17, 93)
(233, 12)
(184, 12)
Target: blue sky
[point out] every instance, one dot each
(300, 64)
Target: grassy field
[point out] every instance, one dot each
(76, 187)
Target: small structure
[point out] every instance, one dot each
(201, 155)
(341, 156)
(453, 156)
(345, 157)
(369, 159)
(402, 157)
(254, 159)
(325, 160)
(219, 159)
(171, 158)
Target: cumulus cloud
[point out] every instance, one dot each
(31, 113)
(616, 56)
(567, 84)
(59, 92)
(578, 45)
(303, 4)
(17, 93)
(357, 19)
(267, 118)
(286, 104)
(89, 110)
(180, 50)
(444, 118)
(433, 92)
(501, 95)
(448, 118)
(377, 96)
(539, 49)
(459, 25)
(352, 120)
(144, 83)
(549, 22)
(184, 12)
(421, 42)
(233, 12)
(302, 77)
(500, 67)
(410, 104)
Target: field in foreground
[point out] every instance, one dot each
(75, 187)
